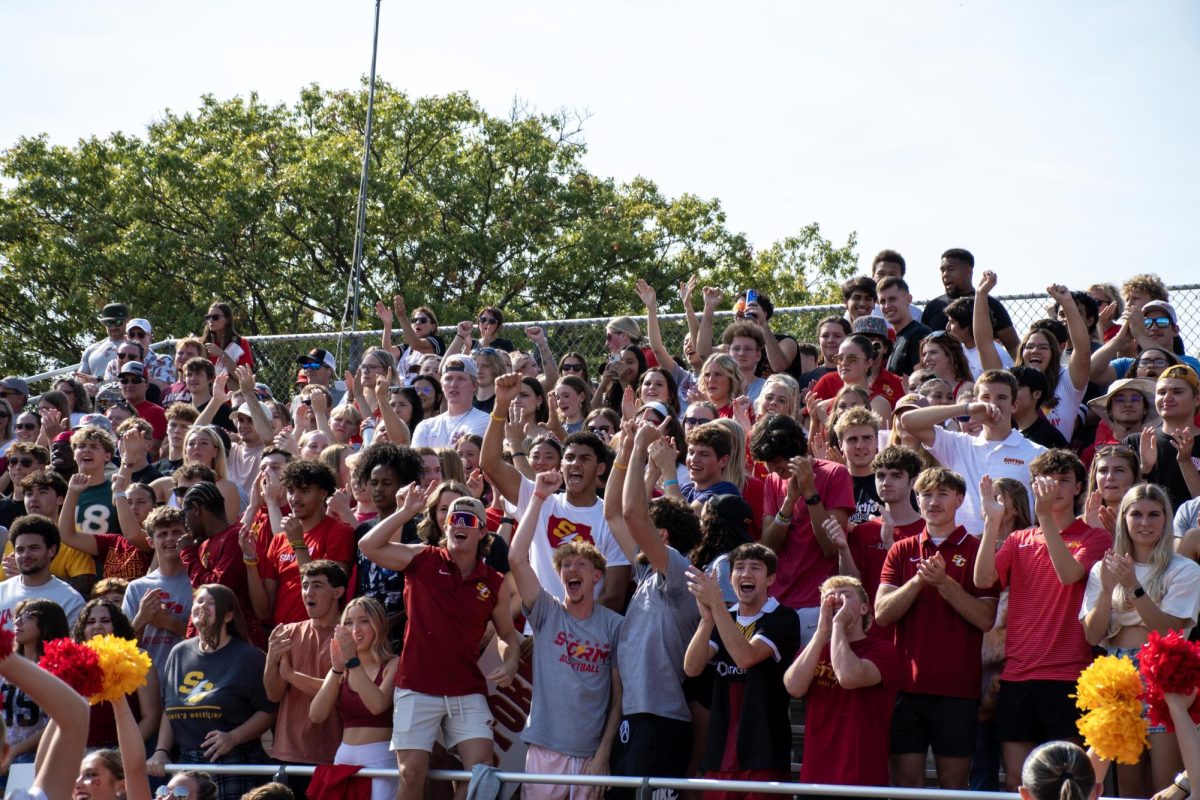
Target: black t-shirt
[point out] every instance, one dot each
(752, 704)
(764, 370)
(222, 419)
(866, 499)
(814, 375)
(1166, 472)
(10, 510)
(147, 474)
(934, 314)
(484, 405)
(497, 344)
(1043, 433)
(907, 352)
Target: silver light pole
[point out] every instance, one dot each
(360, 225)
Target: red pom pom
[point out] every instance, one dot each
(7, 641)
(1168, 664)
(75, 664)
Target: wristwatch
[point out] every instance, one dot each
(351, 663)
(1141, 592)
(1183, 784)
(812, 501)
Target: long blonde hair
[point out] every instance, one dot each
(381, 648)
(1164, 549)
(729, 368)
(735, 468)
(220, 466)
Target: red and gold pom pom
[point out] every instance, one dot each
(75, 664)
(123, 665)
(1108, 690)
(1169, 664)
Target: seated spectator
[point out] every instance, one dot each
(222, 660)
(849, 682)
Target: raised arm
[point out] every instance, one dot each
(461, 343)
(1067, 569)
(851, 671)
(614, 490)
(704, 340)
(378, 544)
(71, 536)
(220, 396)
(504, 477)
(649, 299)
(528, 585)
(397, 429)
(130, 740)
(799, 676)
(258, 414)
(385, 316)
(981, 323)
(993, 517)
(541, 344)
(685, 294)
(1080, 364)
(636, 510)
(406, 328)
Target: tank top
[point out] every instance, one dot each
(354, 712)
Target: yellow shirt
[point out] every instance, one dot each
(68, 563)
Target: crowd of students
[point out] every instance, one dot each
(926, 524)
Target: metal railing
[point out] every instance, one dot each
(645, 785)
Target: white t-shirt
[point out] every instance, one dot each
(14, 590)
(972, 354)
(560, 522)
(1065, 413)
(1182, 582)
(972, 457)
(444, 430)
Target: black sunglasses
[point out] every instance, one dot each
(572, 368)
(27, 426)
(420, 320)
(488, 321)
(21, 462)
(214, 317)
(130, 379)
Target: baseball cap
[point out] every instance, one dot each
(138, 322)
(16, 384)
(1184, 373)
(99, 420)
(133, 368)
(1165, 306)
(460, 363)
(872, 326)
(657, 408)
(244, 409)
(114, 314)
(734, 513)
(908, 402)
(319, 356)
(471, 506)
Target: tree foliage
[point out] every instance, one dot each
(255, 204)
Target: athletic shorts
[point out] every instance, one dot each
(418, 720)
(947, 724)
(544, 761)
(1036, 711)
(648, 744)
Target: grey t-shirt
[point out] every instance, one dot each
(176, 596)
(659, 623)
(572, 676)
(1187, 516)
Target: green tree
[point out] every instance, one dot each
(254, 204)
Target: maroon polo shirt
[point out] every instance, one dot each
(940, 648)
(448, 614)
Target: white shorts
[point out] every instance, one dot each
(376, 755)
(418, 719)
(542, 760)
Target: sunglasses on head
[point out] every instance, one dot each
(1158, 322)
(488, 321)
(464, 519)
(395, 389)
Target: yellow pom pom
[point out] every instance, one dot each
(1108, 680)
(1116, 731)
(123, 664)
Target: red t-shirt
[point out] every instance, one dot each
(752, 493)
(447, 616)
(887, 385)
(941, 649)
(849, 729)
(330, 538)
(218, 559)
(802, 566)
(1044, 640)
(869, 552)
(120, 558)
(154, 414)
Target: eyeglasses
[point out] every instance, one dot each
(128, 379)
(27, 426)
(847, 358)
(464, 519)
(695, 420)
(1158, 322)
(488, 321)
(365, 367)
(1157, 361)
(419, 320)
(178, 791)
(571, 367)
(21, 462)
(214, 317)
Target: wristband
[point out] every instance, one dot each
(672, 482)
(619, 465)
(812, 501)
(162, 750)
(541, 497)
(782, 520)
(119, 495)
(1183, 784)
(250, 562)
(508, 520)
(300, 545)
(336, 672)
(499, 418)
(519, 454)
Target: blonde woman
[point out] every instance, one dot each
(203, 445)
(1140, 586)
(721, 382)
(780, 395)
(361, 694)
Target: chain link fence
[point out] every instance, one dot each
(275, 356)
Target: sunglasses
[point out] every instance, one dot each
(600, 430)
(847, 358)
(419, 320)
(214, 317)
(424, 391)
(488, 321)
(395, 389)
(127, 356)
(136, 334)
(180, 491)
(464, 519)
(312, 365)
(965, 418)
(695, 420)
(27, 426)
(6, 393)
(1158, 322)
(128, 379)
(21, 462)
(572, 368)
(178, 791)
(487, 351)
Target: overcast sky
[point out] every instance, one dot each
(1052, 139)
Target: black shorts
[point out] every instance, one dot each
(947, 724)
(648, 744)
(1036, 711)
